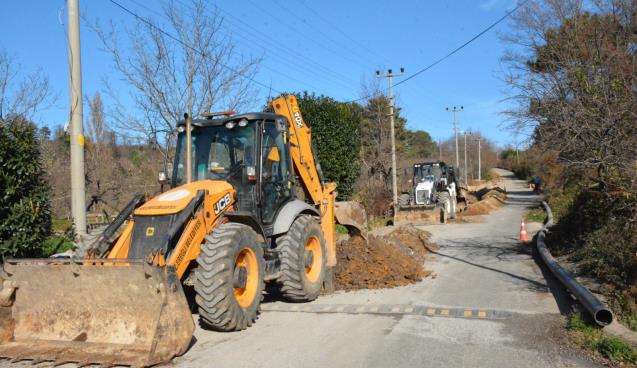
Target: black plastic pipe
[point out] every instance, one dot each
(599, 311)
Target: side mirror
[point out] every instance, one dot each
(162, 178)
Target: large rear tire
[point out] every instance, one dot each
(302, 256)
(444, 202)
(403, 199)
(229, 280)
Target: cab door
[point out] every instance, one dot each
(276, 172)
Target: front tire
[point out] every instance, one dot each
(445, 203)
(229, 280)
(453, 208)
(302, 255)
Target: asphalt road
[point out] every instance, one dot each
(489, 305)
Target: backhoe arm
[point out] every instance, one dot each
(307, 168)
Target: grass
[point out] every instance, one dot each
(60, 225)
(536, 215)
(624, 304)
(55, 244)
(340, 229)
(629, 320)
(593, 338)
(378, 222)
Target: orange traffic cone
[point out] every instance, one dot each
(523, 231)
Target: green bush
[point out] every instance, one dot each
(25, 219)
(336, 136)
(599, 230)
(523, 170)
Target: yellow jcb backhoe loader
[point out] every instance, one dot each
(230, 223)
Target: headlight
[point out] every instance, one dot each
(230, 124)
(243, 122)
(181, 129)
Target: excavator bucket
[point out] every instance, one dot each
(106, 312)
(352, 215)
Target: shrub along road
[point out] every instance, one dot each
(488, 305)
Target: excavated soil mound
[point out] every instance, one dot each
(392, 260)
(490, 199)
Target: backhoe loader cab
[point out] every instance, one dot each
(229, 223)
(251, 153)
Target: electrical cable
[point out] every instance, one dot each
(343, 33)
(174, 38)
(335, 78)
(266, 38)
(452, 52)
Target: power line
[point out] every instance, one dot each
(322, 33)
(287, 25)
(412, 76)
(203, 54)
(261, 38)
(500, 20)
(336, 80)
(298, 67)
(454, 51)
(339, 30)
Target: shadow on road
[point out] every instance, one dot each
(563, 298)
(500, 252)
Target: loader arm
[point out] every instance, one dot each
(306, 167)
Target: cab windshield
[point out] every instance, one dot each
(426, 173)
(218, 153)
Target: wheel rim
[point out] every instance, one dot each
(245, 293)
(313, 259)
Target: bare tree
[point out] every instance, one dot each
(185, 64)
(575, 82)
(97, 124)
(24, 96)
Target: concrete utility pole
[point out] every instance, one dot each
(78, 199)
(455, 129)
(479, 160)
(466, 173)
(391, 76)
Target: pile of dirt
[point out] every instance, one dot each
(392, 260)
(485, 193)
(490, 199)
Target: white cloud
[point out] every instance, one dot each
(488, 5)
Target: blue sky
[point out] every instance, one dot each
(380, 35)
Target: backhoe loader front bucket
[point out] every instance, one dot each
(107, 312)
(351, 215)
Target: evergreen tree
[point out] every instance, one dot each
(25, 219)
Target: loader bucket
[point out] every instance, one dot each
(108, 312)
(351, 215)
(418, 214)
